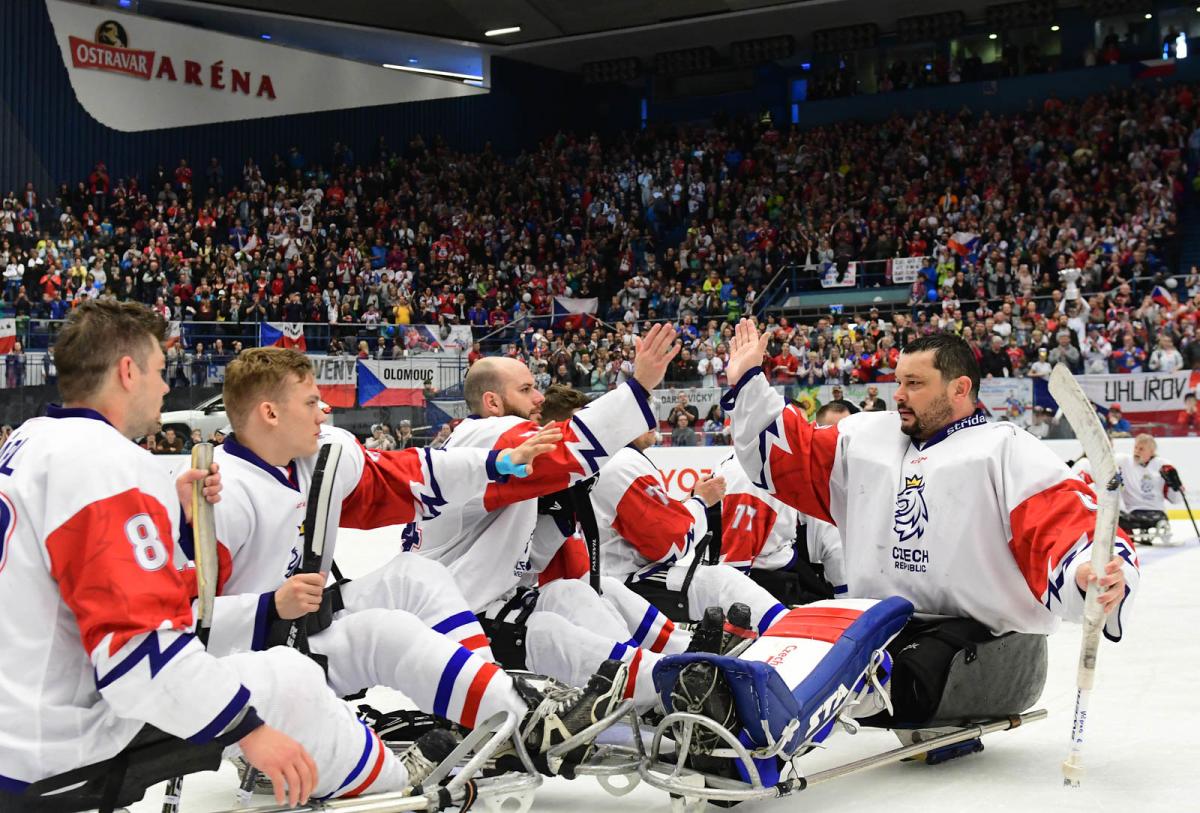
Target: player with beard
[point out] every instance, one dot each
(976, 523)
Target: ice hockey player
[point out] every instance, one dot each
(795, 557)
(1147, 483)
(404, 625)
(491, 548)
(99, 649)
(974, 521)
(651, 540)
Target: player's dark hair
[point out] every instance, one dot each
(561, 403)
(952, 357)
(96, 336)
(836, 405)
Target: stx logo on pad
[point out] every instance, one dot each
(823, 714)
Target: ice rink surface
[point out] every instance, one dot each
(1142, 749)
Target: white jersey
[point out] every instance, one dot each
(760, 532)
(1143, 487)
(643, 529)
(259, 521)
(487, 540)
(981, 521)
(96, 619)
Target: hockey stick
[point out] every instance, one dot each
(204, 539)
(316, 520)
(1082, 417)
(581, 502)
(1191, 516)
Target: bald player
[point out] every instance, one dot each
(491, 548)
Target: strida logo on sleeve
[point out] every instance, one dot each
(909, 521)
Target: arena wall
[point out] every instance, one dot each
(682, 467)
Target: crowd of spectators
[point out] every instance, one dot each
(681, 224)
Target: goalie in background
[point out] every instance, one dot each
(1148, 483)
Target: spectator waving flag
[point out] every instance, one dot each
(964, 242)
(282, 334)
(8, 335)
(571, 313)
(1162, 296)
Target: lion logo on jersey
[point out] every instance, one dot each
(911, 514)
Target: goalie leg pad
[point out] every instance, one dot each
(791, 684)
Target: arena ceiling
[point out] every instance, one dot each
(560, 34)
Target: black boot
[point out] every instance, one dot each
(561, 712)
(737, 627)
(709, 633)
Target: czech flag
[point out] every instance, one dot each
(282, 334)
(572, 313)
(1162, 296)
(964, 242)
(8, 335)
(1152, 68)
(387, 383)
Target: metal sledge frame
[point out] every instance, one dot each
(719, 788)
(609, 760)
(482, 744)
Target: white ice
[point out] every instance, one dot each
(1141, 750)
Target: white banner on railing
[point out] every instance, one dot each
(999, 394)
(702, 398)
(830, 278)
(1140, 392)
(905, 269)
(132, 72)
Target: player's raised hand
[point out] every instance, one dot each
(1112, 583)
(300, 595)
(537, 444)
(212, 487)
(654, 352)
(284, 761)
(746, 351)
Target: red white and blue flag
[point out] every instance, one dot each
(8, 335)
(1152, 68)
(964, 242)
(389, 383)
(572, 313)
(282, 334)
(1162, 296)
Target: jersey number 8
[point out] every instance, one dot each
(148, 549)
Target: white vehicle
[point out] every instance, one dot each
(207, 416)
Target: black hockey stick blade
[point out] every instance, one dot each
(316, 513)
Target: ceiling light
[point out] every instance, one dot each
(431, 72)
(499, 32)
(1054, 28)
(992, 36)
(1149, 16)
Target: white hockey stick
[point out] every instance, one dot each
(204, 539)
(1082, 417)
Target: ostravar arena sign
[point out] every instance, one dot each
(136, 73)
